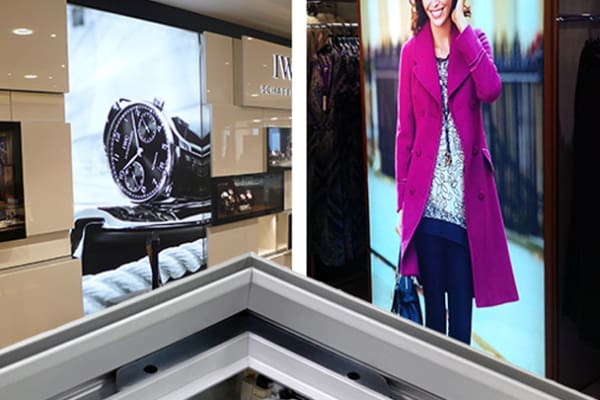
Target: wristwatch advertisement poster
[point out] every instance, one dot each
(141, 158)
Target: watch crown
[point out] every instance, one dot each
(159, 103)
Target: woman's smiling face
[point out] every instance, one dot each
(438, 11)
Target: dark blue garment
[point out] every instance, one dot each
(445, 267)
(445, 229)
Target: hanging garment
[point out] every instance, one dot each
(336, 178)
(582, 285)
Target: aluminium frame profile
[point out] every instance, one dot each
(59, 360)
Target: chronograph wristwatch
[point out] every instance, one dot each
(154, 158)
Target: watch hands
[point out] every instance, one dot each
(137, 142)
(137, 153)
(145, 125)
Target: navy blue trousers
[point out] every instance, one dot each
(445, 267)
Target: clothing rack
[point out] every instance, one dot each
(584, 17)
(330, 25)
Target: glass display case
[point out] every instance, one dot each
(12, 203)
(279, 147)
(246, 196)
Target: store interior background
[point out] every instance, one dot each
(33, 268)
(41, 263)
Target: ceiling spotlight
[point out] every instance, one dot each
(22, 31)
(30, 76)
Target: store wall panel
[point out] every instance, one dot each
(40, 64)
(39, 297)
(5, 106)
(34, 249)
(282, 231)
(217, 71)
(278, 118)
(231, 240)
(267, 231)
(47, 177)
(287, 190)
(284, 259)
(237, 140)
(29, 106)
(263, 74)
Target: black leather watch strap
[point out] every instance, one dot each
(191, 172)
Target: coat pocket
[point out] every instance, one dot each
(488, 159)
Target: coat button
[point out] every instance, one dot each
(418, 153)
(475, 150)
(481, 196)
(411, 191)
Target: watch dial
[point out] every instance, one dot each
(139, 152)
(147, 127)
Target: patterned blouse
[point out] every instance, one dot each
(446, 197)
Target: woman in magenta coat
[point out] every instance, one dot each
(450, 221)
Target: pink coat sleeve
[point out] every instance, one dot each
(475, 48)
(405, 126)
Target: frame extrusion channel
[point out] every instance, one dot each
(69, 357)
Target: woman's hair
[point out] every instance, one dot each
(419, 16)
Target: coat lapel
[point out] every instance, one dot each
(458, 70)
(425, 68)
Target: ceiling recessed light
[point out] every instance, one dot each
(274, 119)
(30, 76)
(50, 77)
(256, 121)
(254, 95)
(53, 35)
(22, 31)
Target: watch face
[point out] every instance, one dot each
(139, 150)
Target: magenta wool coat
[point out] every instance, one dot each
(472, 79)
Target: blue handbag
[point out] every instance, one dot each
(406, 299)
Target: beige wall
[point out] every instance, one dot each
(38, 297)
(40, 285)
(238, 138)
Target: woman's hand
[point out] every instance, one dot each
(458, 16)
(398, 227)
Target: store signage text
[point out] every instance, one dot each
(282, 67)
(274, 91)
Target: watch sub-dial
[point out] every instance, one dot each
(147, 127)
(133, 177)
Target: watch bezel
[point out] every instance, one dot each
(165, 184)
